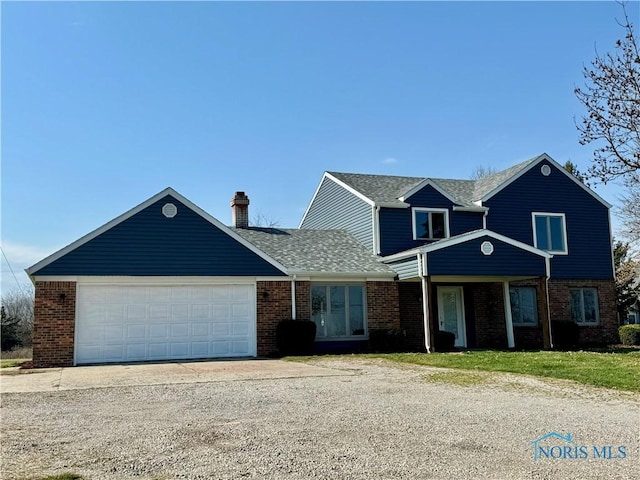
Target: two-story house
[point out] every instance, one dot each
(492, 261)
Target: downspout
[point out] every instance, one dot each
(484, 219)
(547, 263)
(293, 298)
(425, 300)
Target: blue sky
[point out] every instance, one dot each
(105, 104)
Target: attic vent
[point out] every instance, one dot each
(546, 170)
(486, 248)
(169, 210)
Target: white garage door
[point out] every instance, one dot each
(124, 323)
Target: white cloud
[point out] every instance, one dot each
(390, 161)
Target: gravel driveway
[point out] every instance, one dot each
(376, 421)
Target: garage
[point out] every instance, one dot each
(135, 322)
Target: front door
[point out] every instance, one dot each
(451, 313)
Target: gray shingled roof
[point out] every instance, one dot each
(315, 251)
(387, 189)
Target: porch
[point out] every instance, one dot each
(477, 312)
(489, 290)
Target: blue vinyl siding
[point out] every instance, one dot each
(396, 227)
(588, 230)
(467, 259)
(148, 243)
(336, 208)
(406, 268)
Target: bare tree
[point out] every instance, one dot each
(627, 287)
(481, 171)
(611, 97)
(629, 213)
(17, 317)
(263, 220)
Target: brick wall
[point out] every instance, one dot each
(54, 324)
(488, 305)
(273, 305)
(303, 300)
(411, 320)
(382, 305)
(560, 306)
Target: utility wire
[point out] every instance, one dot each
(12, 272)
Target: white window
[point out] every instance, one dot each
(550, 232)
(339, 311)
(584, 306)
(430, 223)
(524, 308)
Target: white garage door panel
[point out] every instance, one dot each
(119, 323)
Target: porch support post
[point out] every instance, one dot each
(507, 315)
(426, 305)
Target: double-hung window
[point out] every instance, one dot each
(524, 309)
(430, 223)
(339, 311)
(550, 232)
(584, 306)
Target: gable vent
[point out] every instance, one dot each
(486, 248)
(169, 210)
(546, 170)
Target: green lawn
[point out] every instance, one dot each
(611, 370)
(12, 362)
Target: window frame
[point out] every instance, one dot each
(582, 321)
(548, 215)
(445, 211)
(517, 323)
(345, 286)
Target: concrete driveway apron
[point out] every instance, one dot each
(75, 378)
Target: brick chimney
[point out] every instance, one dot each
(240, 210)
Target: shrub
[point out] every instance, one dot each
(629, 334)
(387, 341)
(444, 341)
(564, 334)
(295, 337)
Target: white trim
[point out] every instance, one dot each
(613, 261)
(583, 323)
(177, 281)
(459, 307)
(415, 210)
(465, 237)
(344, 275)
(130, 213)
(564, 228)
(349, 188)
(401, 255)
(508, 314)
(75, 327)
(478, 209)
(376, 230)
(477, 278)
(560, 168)
(422, 184)
(365, 310)
(546, 281)
(425, 303)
